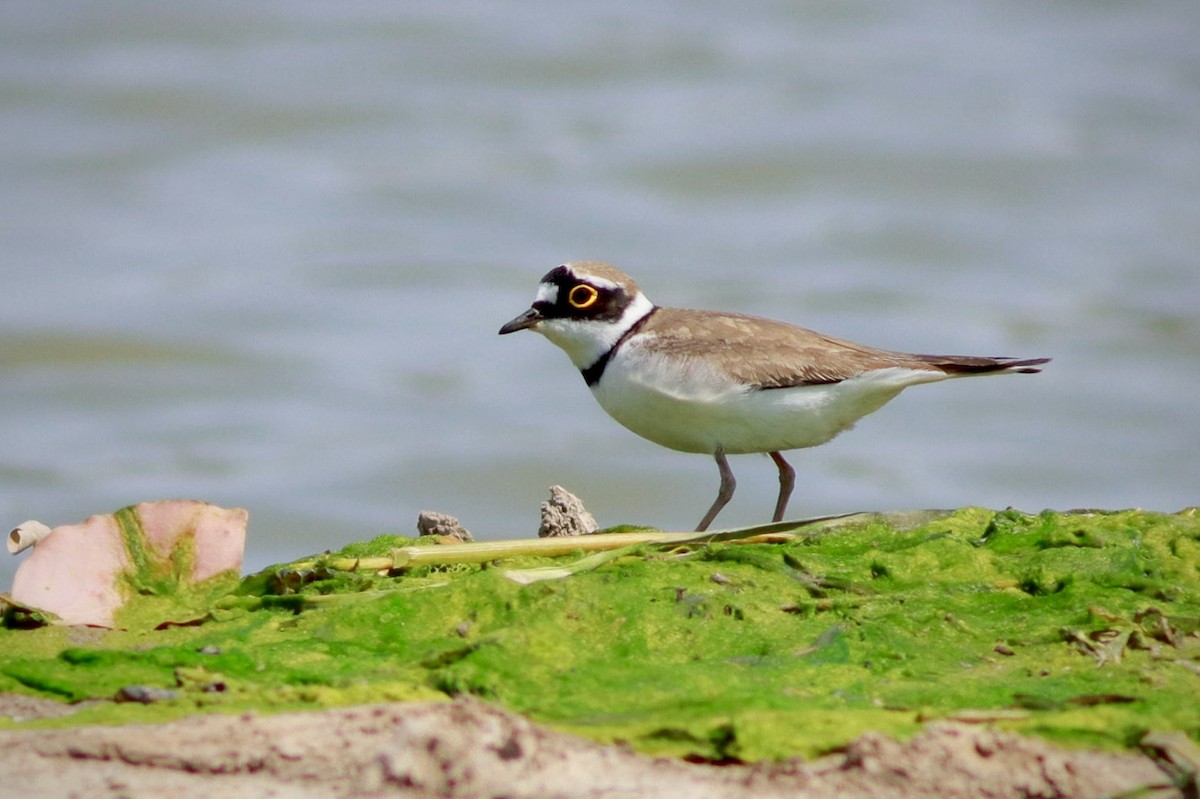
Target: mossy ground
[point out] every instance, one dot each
(1083, 628)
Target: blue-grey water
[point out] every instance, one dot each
(257, 253)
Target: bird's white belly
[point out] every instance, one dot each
(688, 405)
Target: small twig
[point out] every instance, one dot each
(485, 551)
(488, 551)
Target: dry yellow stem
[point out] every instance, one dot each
(485, 551)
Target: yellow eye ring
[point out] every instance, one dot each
(582, 296)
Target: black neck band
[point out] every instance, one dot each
(592, 374)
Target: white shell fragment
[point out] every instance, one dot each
(25, 535)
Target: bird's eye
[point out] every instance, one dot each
(582, 296)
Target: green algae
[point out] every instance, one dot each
(159, 588)
(1080, 627)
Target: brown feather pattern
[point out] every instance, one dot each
(767, 354)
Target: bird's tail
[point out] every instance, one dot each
(964, 365)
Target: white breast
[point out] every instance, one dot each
(687, 404)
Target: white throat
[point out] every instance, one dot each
(587, 340)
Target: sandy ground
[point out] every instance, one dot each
(468, 749)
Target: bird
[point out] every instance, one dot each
(721, 383)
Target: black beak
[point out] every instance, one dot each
(527, 319)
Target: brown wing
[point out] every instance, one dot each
(769, 354)
(766, 353)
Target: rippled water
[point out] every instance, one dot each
(258, 253)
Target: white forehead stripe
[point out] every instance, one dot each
(601, 282)
(547, 293)
(581, 272)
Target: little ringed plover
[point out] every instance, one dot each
(723, 383)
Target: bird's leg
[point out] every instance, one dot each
(724, 493)
(787, 481)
